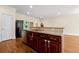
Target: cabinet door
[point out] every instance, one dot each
(29, 38)
(42, 45)
(32, 39)
(53, 47)
(35, 42)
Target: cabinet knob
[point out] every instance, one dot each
(31, 38)
(45, 42)
(48, 43)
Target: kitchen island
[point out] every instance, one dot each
(44, 41)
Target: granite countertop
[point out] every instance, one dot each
(56, 31)
(46, 32)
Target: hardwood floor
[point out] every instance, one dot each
(15, 46)
(71, 44)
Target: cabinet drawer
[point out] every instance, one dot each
(55, 38)
(42, 35)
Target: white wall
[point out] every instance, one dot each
(9, 11)
(20, 16)
(69, 22)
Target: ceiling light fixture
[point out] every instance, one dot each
(31, 6)
(58, 13)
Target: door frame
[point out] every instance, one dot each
(16, 25)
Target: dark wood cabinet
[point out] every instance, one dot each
(32, 39)
(35, 42)
(54, 44)
(53, 47)
(44, 43)
(29, 38)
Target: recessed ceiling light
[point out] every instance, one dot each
(58, 13)
(31, 6)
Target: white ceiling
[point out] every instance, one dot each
(47, 10)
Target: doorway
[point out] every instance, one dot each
(19, 28)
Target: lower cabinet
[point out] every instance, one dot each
(53, 47)
(29, 38)
(35, 42)
(44, 44)
(32, 40)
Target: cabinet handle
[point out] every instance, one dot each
(32, 35)
(48, 43)
(45, 42)
(31, 38)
